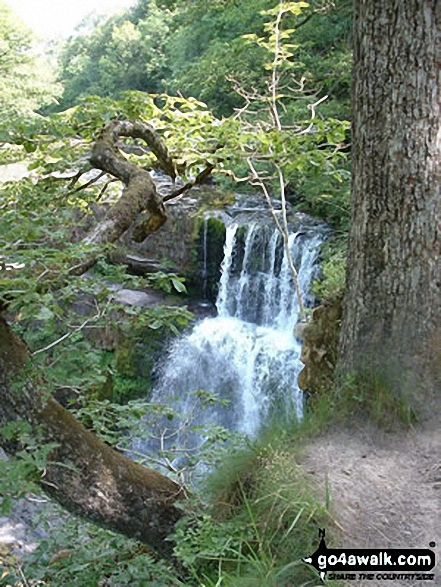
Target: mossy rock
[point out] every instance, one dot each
(320, 347)
(137, 352)
(136, 358)
(128, 388)
(103, 390)
(208, 246)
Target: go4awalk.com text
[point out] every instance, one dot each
(350, 564)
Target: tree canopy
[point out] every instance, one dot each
(198, 49)
(119, 53)
(26, 78)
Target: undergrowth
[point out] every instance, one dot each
(262, 517)
(359, 399)
(330, 284)
(249, 524)
(250, 521)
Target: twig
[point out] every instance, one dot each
(81, 268)
(274, 74)
(64, 337)
(191, 184)
(74, 179)
(305, 20)
(287, 249)
(20, 570)
(88, 184)
(258, 180)
(104, 188)
(312, 107)
(47, 270)
(166, 465)
(233, 176)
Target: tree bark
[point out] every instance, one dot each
(83, 474)
(391, 322)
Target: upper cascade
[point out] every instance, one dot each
(256, 283)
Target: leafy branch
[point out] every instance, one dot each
(275, 43)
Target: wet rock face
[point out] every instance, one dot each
(191, 241)
(320, 346)
(22, 529)
(172, 243)
(179, 242)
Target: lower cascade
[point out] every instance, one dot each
(247, 356)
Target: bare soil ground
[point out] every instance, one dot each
(385, 488)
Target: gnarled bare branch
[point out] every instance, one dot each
(139, 193)
(200, 178)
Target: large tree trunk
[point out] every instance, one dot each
(391, 322)
(83, 474)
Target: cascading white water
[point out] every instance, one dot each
(222, 300)
(247, 354)
(205, 260)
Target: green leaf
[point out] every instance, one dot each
(178, 285)
(29, 147)
(44, 314)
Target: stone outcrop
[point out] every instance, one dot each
(320, 339)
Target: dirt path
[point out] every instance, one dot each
(385, 489)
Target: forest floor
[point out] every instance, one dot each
(384, 488)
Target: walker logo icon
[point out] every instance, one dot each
(379, 563)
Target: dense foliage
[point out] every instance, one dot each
(212, 52)
(121, 53)
(221, 58)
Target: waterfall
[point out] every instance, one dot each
(222, 298)
(247, 355)
(205, 260)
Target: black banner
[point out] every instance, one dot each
(348, 560)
